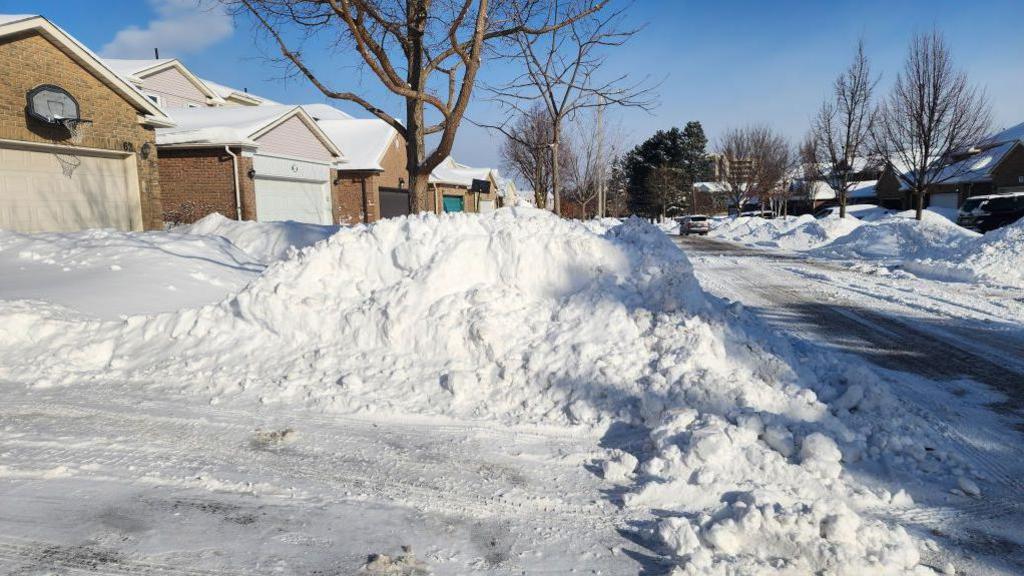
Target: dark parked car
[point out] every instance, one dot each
(984, 213)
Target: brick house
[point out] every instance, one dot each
(995, 166)
(107, 176)
(265, 163)
(451, 189)
(370, 181)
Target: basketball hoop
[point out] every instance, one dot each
(73, 127)
(55, 106)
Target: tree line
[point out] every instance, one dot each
(429, 55)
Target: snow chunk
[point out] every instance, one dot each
(820, 454)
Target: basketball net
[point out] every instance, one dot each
(70, 162)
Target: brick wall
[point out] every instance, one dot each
(197, 182)
(355, 196)
(29, 60)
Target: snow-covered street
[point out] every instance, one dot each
(503, 394)
(957, 350)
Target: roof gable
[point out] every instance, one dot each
(140, 70)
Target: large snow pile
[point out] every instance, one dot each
(264, 241)
(520, 316)
(899, 238)
(107, 273)
(994, 258)
(789, 233)
(998, 256)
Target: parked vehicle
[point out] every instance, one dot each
(984, 213)
(766, 214)
(694, 224)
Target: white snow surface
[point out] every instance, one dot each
(109, 273)
(520, 317)
(935, 247)
(790, 233)
(265, 242)
(901, 237)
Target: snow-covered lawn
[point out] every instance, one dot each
(505, 393)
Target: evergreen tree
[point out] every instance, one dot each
(660, 172)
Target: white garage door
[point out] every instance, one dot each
(948, 200)
(292, 200)
(37, 196)
(486, 206)
(290, 189)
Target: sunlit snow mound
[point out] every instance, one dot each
(996, 258)
(264, 241)
(521, 317)
(900, 237)
(789, 233)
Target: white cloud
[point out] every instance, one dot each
(181, 27)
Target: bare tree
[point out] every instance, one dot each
(426, 52)
(931, 113)
(525, 152)
(757, 161)
(594, 143)
(839, 134)
(561, 71)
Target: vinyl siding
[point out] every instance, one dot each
(293, 138)
(174, 89)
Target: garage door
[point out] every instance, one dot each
(947, 200)
(292, 200)
(37, 196)
(393, 202)
(454, 204)
(486, 206)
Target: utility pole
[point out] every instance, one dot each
(600, 158)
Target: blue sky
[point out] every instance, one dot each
(724, 63)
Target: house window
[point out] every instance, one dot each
(155, 99)
(191, 105)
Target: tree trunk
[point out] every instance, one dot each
(415, 153)
(919, 204)
(556, 189)
(842, 204)
(540, 195)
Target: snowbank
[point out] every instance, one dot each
(900, 238)
(108, 273)
(995, 258)
(521, 317)
(264, 241)
(789, 233)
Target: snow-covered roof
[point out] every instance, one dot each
(711, 187)
(126, 67)
(226, 92)
(864, 189)
(326, 112)
(19, 23)
(451, 172)
(7, 18)
(362, 141)
(1009, 135)
(233, 125)
(978, 167)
